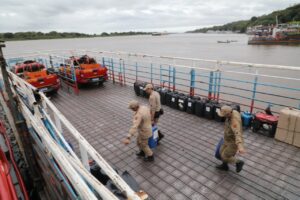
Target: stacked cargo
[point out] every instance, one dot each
(190, 104)
(288, 128)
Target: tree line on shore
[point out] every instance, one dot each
(30, 35)
(288, 15)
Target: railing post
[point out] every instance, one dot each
(57, 123)
(253, 93)
(219, 85)
(112, 69)
(215, 84)
(174, 79)
(169, 85)
(73, 72)
(84, 156)
(51, 61)
(160, 76)
(136, 71)
(124, 75)
(210, 86)
(192, 82)
(120, 72)
(151, 73)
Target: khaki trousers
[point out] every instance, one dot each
(142, 143)
(228, 152)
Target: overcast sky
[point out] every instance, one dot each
(96, 16)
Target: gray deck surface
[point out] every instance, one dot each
(184, 166)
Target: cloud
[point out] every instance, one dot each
(96, 16)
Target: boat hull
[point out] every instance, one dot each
(274, 42)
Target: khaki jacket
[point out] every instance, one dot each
(141, 123)
(154, 101)
(233, 133)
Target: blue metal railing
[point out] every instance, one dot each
(214, 84)
(254, 91)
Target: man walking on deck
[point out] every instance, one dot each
(233, 139)
(142, 127)
(155, 107)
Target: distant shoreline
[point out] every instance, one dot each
(23, 36)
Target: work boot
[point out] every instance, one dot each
(160, 136)
(149, 158)
(239, 166)
(224, 166)
(140, 154)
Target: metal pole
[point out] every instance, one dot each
(112, 70)
(174, 79)
(253, 93)
(124, 75)
(192, 83)
(169, 85)
(120, 72)
(160, 76)
(219, 85)
(136, 71)
(210, 85)
(215, 85)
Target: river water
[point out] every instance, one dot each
(203, 46)
(184, 45)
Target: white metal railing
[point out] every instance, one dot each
(76, 170)
(218, 62)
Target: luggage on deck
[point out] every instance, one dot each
(246, 119)
(174, 101)
(288, 128)
(182, 102)
(136, 87)
(169, 95)
(266, 123)
(163, 95)
(139, 88)
(236, 107)
(217, 118)
(191, 104)
(200, 107)
(142, 91)
(209, 111)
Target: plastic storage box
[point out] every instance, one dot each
(246, 119)
(182, 102)
(200, 107)
(152, 142)
(191, 104)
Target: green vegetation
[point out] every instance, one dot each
(56, 35)
(125, 33)
(288, 15)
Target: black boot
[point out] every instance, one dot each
(239, 166)
(160, 136)
(224, 166)
(140, 154)
(149, 158)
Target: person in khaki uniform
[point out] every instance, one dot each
(233, 139)
(142, 127)
(155, 107)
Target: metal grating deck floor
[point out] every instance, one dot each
(184, 166)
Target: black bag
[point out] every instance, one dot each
(161, 111)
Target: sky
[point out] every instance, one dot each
(97, 16)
